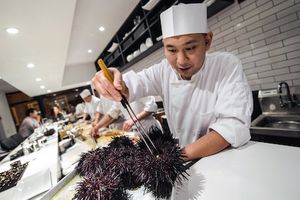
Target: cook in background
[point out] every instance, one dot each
(143, 108)
(79, 110)
(207, 99)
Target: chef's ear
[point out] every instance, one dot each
(208, 40)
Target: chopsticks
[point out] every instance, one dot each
(150, 145)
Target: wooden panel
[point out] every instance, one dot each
(18, 97)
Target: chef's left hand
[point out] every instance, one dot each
(127, 125)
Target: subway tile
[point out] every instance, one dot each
(220, 23)
(217, 42)
(276, 9)
(270, 60)
(285, 49)
(212, 20)
(258, 10)
(254, 25)
(216, 31)
(235, 34)
(266, 86)
(237, 45)
(233, 8)
(248, 65)
(291, 40)
(295, 68)
(255, 87)
(223, 33)
(249, 21)
(245, 54)
(296, 82)
(224, 44)
(274, 72)
(289, 26)
(286, 63)
(283, 36)
(261, 80)
(291, 76)
(232, 23)
(287, 11)
(243, 10)
(245, 48)
(261, 2)
(249, 34)
(285, 20)
(276, 2)
(246, 3)
(268, 20)
(258, 69)
(268, 47)
(252, 76)
(294, 54)
(255, 58)
(266, 35)
(258, 44)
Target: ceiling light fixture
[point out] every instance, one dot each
(38, 79)
(30, 65)
(49, 91)
(12, 31)
(42, 87)
(101, 28)
(90, 51)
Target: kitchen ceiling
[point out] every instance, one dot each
(55, 36)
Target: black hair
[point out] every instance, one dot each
(30, 110)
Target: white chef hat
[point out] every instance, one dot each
(85, 93)
(184, 19)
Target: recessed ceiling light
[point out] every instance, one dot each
(42, 87)
(38, 79)
(30, 65)
(12, 30)
(101, 28)
(90, 51)
(48, 91)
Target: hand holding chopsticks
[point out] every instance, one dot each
(109, 84)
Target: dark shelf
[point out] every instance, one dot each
(149, 26)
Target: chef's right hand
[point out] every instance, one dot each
(109, 90)
(94, 131)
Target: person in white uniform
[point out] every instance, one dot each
(79, 110)
(143, 108)
(207, 99)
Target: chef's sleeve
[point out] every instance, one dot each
(149, 104)
(114, 111)
(145, 83)
(234, 108)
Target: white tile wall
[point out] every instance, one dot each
(265, 34)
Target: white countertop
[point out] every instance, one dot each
(253, 172)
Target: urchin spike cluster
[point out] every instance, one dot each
(123, 165)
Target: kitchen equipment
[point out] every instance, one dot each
(149, 42)
(129, 57)
(143, 135)
(136, 53)
(143, 47)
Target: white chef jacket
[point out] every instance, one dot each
(104, 106)
(79, 109)
(217, 97)
(91, 107)
(147, 104)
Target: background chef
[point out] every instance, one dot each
(143, 107)
(207, 99)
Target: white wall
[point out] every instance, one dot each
(7, 119)
(264, 34)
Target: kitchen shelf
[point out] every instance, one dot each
(149, 26)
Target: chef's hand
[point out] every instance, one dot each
(127, 125)
(94, 131)
(184, 154)
(94, 123)
(108, 90)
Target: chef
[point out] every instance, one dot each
(143, 107)
(207, 99)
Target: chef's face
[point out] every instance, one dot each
(186, 53)
(88, 99)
